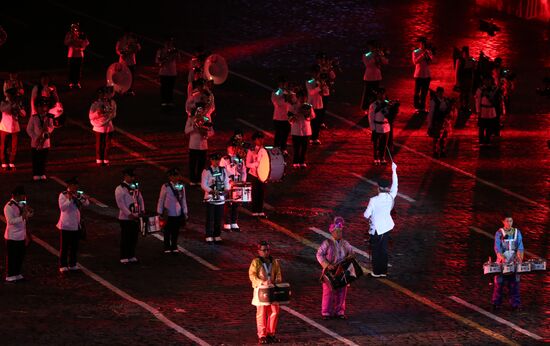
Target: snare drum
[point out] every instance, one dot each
(508, 268)
(271, 166)
(538, 264)
(241, 192)
(523, 267)
(278, 293)
(492, 268)
(149, 224)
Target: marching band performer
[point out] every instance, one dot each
(464, 77)
(102, 112)
(70, 202)
(17, 235)
(236, 170)
(315, 89)
(172, 206)
(40, 128)
(13, 81)
(214, 183)
(381, 222)
(508, 248)
(253, 158)
(127, 47)
(48, 90)
(199, 128)
(12, 109)
(379, 113)
(422, 58)
(300, 117)
(331, 252)
(373, 60)
(131, 206)
(281, 98)
(486, 103)
(167, 58)
(265, 270)
(77, 42)
(327, 76)
(440, 121)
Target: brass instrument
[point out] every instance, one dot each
(27, 210)
(119, 77)
(45, 134)
(304, 111)
(215, 69)
(107, 110)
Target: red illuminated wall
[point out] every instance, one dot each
(528, 9)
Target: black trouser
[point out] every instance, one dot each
(379, 143)
(39, 159)
(258, 190)
(300, 148)
(75, 70)
(231, 211)
(379, 246)
(316, 123)
(7, 151)
(197, 160)
(486, 129)
(172, 231)
(128, 238)
(326, 101)
(167, 84)
(369, 93)
(214, 215)
(102, 145)
(282, 130)
(15, 253)
(69, 248)
(421, 87)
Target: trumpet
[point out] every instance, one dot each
(27, 210)
(304, 111)
(107, 110)
(45, 134)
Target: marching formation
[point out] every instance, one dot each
(240, 176)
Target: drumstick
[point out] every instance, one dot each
(389, 153)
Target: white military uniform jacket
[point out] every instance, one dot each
(379, 208)
(16, 226)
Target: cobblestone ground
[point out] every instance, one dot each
(439, 243)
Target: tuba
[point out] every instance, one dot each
(215, 69)
(119, 77)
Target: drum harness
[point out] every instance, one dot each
(511, 249)
(134, 192)
(177, 194)
(218, 185)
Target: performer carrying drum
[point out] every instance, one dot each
(265, 270)
(330, 254)
(253, 158)
(172, 206)
(509, 249)
(236, 171)
(215, 184)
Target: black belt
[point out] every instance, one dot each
(380, 122)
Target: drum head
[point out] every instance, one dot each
(264, 168)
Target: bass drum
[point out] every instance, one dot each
(272, 166)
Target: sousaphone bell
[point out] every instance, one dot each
(215, 69)
(119, 77)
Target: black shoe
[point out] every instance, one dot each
(443, 154)
(263, 340)
(435, 154)
(342, 317)
(495, 307)
(272, 339)
(326, 318)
